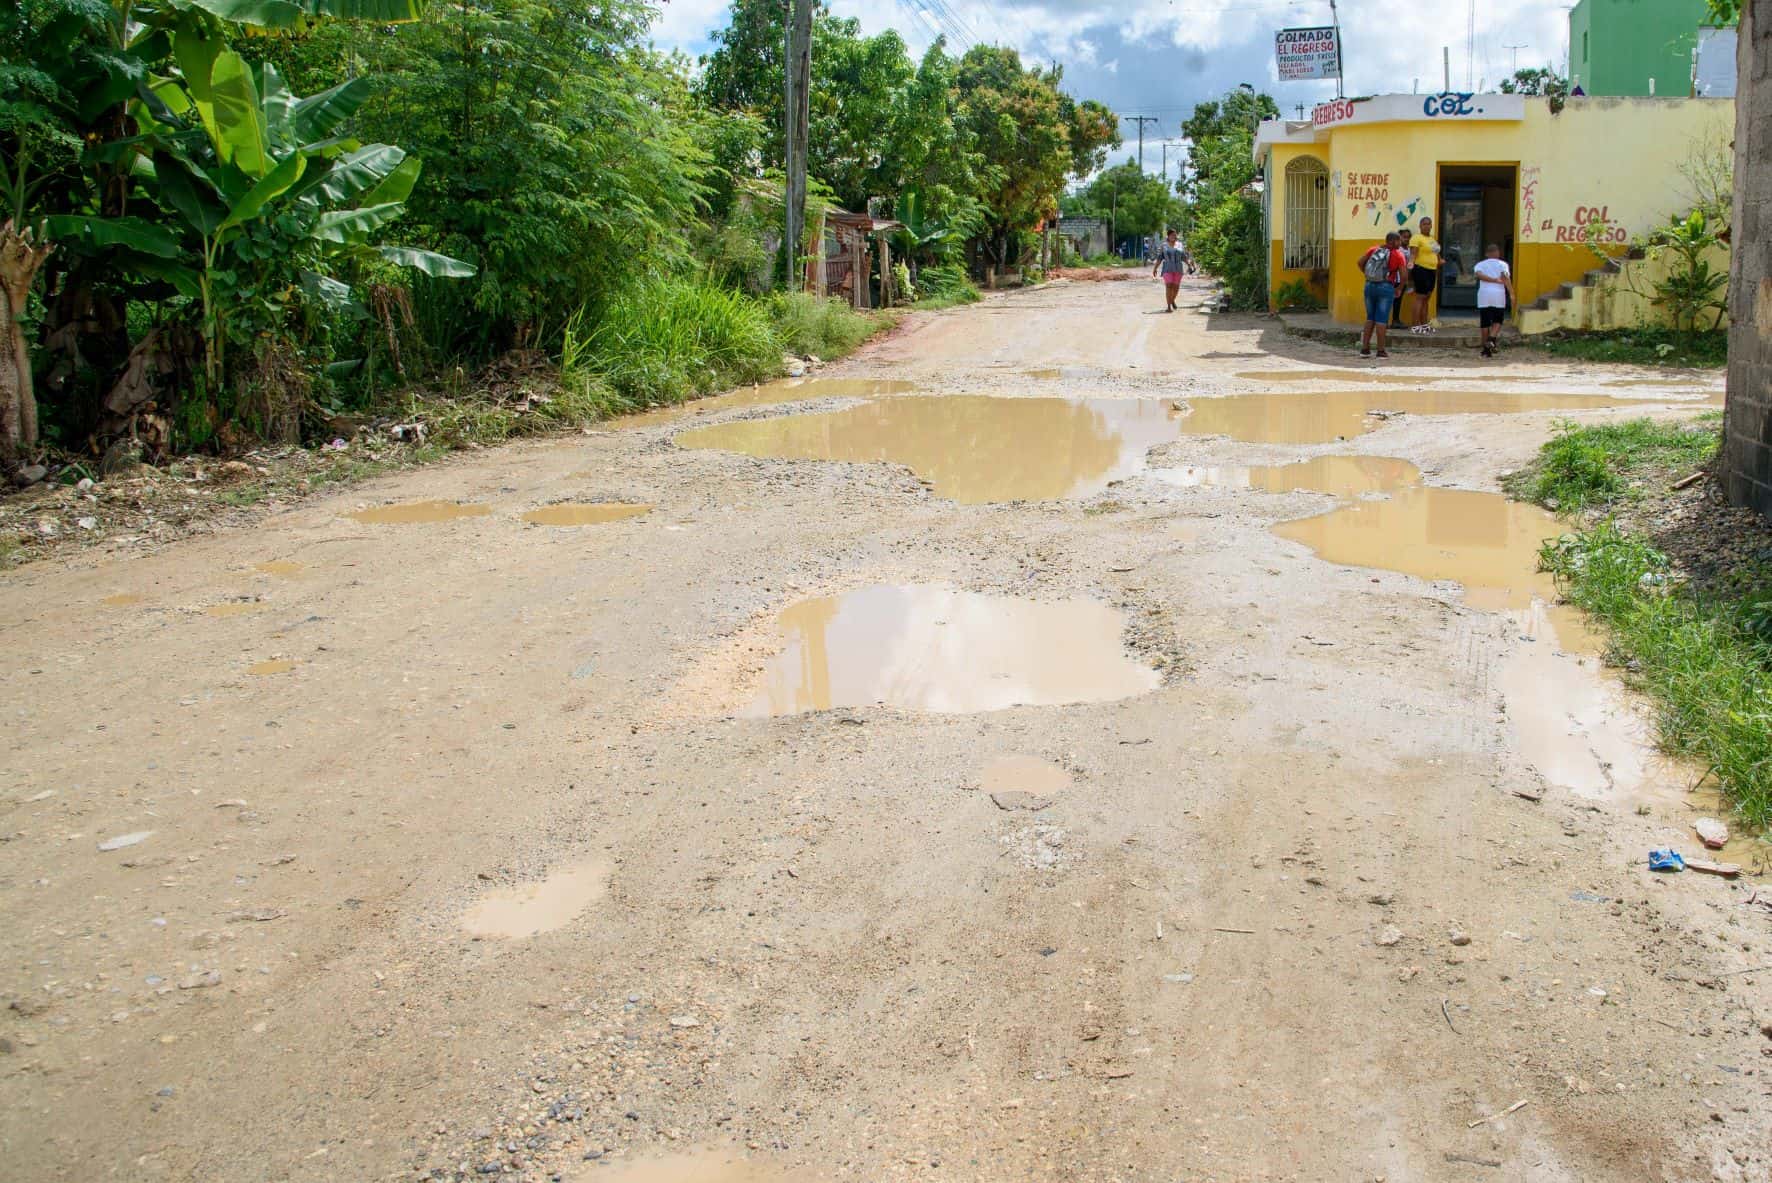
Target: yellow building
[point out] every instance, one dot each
(1488, 168)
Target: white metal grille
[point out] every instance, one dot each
(1307, 215)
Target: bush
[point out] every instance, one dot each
(944, 285)
(1230, 242)
(1296, 296)
(1644, 347)
(811, 325)
(667, 340)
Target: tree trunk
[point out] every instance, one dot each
(20, 259)
(1747, 435)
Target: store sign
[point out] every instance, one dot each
(1304, 54)
(1451, 107)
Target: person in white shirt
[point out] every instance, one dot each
(1495, 290)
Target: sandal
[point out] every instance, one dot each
(1382, 354)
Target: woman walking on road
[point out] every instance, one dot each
(1172, 262)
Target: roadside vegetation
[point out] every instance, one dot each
(1682, 587)
(1642, 347)
(248, 225)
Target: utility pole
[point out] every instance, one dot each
(1340, 84)
(1141, 121)
(1514, 62)
(799, 104)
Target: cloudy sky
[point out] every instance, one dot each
(1160, 57)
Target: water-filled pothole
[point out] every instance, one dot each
(972, 448)
(1329, 374)
(420, 512)
(928, 648)
(584, 513)
(533, 908)
(1482, 540)
(1321, 417)
(1339, 476)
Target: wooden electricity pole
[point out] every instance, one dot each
(799, 86)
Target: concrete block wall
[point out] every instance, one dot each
(1747, 438)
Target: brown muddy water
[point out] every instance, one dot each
(283, 568)
(276, 665)
(770, 394)
(588, 513)
(1320, 417)
(420, 513)
(532, 908)
(1339, 476)
(1481, 540)
(1353, 377)
(927, 648)
(973, 449)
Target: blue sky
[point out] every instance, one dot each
(1160, 57)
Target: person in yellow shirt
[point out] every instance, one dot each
(1424, 274)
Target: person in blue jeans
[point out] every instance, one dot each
(1383, 266)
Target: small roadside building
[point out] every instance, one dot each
(1488, 168)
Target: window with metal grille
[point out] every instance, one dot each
(1307, 215)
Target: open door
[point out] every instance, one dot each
(1477, 204)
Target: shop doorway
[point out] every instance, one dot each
(1477, 207)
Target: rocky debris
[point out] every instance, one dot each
(1712, 832)
(1388, 936)
(1382, 899)
(29, 475)
(200, 980)
(123, 840)
(1459, 937)
(794, 367)
(1040, 847)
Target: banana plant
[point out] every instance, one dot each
(259, 176)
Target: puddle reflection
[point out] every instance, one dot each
(932, 649)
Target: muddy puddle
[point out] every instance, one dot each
(771, 394)
(585, 513)
(282, 568)
(1339, 476)
(971, 448)
(1481, 540)
(533, 908)
(420, 513)
(276, 665)
(1322, 417)
(121, 600)
(926, 648)
(1354, 377)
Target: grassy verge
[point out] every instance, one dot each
(1642, 347)
(1698, 642)
(1583, 466)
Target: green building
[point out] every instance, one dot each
(1616, 47)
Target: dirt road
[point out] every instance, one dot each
(484, 848)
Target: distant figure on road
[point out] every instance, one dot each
(1172, 262)
(1383, 266)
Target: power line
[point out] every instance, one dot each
(1141, 120)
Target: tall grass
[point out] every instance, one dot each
(819, 326)
(1706, 660)
(668, 340)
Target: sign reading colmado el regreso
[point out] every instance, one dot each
(1307, 53)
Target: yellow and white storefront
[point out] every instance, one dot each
(1488, 168)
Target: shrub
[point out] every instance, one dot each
(943, 285)
(1296, 295)
(1231, 243)
(811, 325)
(666, 340)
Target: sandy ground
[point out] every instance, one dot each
(812, 943)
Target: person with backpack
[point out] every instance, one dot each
(1383, 266)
